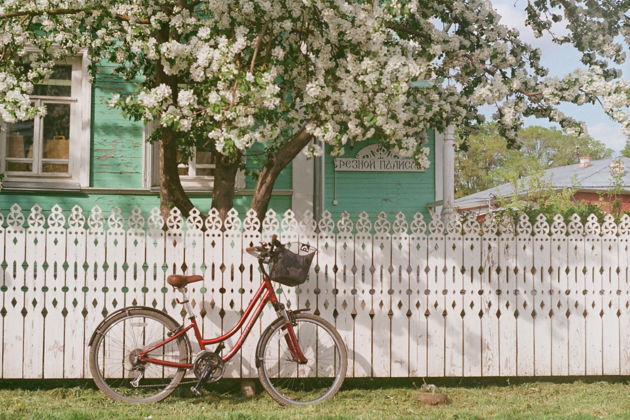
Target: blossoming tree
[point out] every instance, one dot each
(285, 76)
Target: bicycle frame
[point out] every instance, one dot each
(264, 295)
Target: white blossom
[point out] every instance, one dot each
(248, 72)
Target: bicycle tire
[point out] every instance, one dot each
(290, 383)
(120, 337)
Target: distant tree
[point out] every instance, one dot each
(625, 152)
(485, 160)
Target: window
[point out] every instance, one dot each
(53, 149)
(196, 174)
(201, 164)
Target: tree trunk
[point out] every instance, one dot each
(171, 191)
(224, 184)
(270, 172)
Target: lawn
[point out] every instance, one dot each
(359, 399)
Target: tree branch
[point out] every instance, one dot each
(256, 47)
(290, 150)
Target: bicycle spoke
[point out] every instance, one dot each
(115, 357)
(290, 382)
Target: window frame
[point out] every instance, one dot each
(192, 183)
(80, 102)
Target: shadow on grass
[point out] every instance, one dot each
(474, 382)
(233, 386)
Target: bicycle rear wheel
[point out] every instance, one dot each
(113, 355)
(291, 383)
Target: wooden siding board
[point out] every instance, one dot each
(117, 143)
(391, 192)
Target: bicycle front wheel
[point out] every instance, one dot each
(292, 383)
(114, 353)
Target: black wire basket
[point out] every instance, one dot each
(291, 264)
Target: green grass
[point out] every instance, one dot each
(359, 399)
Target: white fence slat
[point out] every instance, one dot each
(325, 280)
(594, 336)
(400, 300)
(473, 290)
(34, 301)
(541, 304)
(136, 272)
(577, 305)
(559, 305)
(75, 347)
(193, 265)
(508, 280)
(95, 309)
(231, 284)
(610, 306)
(363, 306)
(213, 258)
(489, 284)
(435, 304)
(56, 302)
(13, 322)
(381, 305)
(344, 297)
(289, 235)
(271, 226)
(524, 306)
(172, 264)
(156, 271)
(112, 292)
(417, 305)
(251, 282)
(454, 302)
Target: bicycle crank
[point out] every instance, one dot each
(208, 367)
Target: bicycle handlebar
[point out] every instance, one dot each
(265, 249)
(265, 252)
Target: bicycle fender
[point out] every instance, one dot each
(126, 309)
(278, 320)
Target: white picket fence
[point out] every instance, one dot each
(410, 298)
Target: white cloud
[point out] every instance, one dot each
(608, 133)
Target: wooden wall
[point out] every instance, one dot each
(391, 192)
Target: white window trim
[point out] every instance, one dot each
(79, 159)
(190, 183)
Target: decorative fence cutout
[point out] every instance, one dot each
(410, 297)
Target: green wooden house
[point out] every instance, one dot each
(84, 152)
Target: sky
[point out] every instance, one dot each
(561, 60)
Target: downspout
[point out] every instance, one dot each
(318, 183)
(448, 174)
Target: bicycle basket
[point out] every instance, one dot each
(291, 268)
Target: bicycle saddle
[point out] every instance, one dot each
(177, 280)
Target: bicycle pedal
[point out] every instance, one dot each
(196, 392)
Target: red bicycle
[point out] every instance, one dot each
(141, 354)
